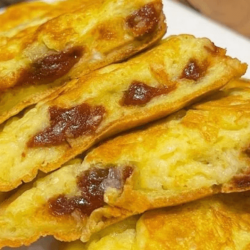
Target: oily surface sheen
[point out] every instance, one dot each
(139, 93)
(44, 46)
(68, 123)
(191, 154)
(113, 99)
(193, 71)
(193, 225)
(92, 184)
(50, 68)
(55, 57)
(143, 21)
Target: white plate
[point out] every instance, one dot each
(181, 19)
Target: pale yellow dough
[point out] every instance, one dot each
(191, 154)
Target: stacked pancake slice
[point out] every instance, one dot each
(218, 222)
(160, 131)
(191, 154)
(45, 45)
(108, 101)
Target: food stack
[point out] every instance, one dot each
(117, 138)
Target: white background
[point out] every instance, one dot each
(181, 19)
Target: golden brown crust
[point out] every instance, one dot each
(155, 78)
(122, 235)
(21, 14)
(189, 155)
(218, 222)
(198, 223)
(64, 40)
(42, 223)
(226, 214)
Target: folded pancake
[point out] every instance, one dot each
(115, 98)
(192, 154)
(40, 51)
(218, 222)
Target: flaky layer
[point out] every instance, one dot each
(220, 222)
(192, 154)
(113, 99)
(53, 43)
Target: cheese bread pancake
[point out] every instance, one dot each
(150, 86)
(220, 222)
(42, 46)
(189, 155)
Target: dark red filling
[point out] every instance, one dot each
(144, 20)
(68, 123)
(92, 184)
(51, 68)
(140, 93)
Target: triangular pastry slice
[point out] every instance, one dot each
(113, 99)
(220, 222)
(53, 43)
(192, 154)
